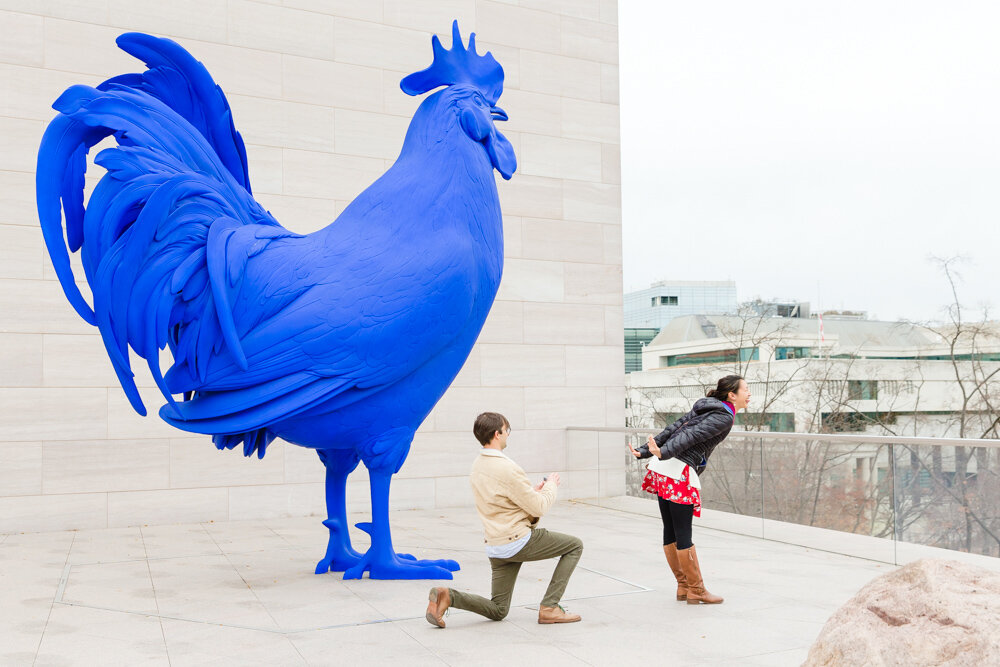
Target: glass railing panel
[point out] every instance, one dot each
(731, 486)
(882, 498)
(621, 473)
(611, 472)
(947, 497)
(835, 496)
(635, 469)
(581, 476)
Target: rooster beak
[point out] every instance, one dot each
(498, 113)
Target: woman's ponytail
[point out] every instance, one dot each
(727, 385)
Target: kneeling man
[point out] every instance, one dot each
(510, 508)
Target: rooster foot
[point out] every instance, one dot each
(381, 563)
(339, 554)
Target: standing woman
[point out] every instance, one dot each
(682, 451)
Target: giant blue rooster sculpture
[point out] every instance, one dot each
(341, 340)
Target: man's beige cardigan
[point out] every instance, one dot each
(507, 503)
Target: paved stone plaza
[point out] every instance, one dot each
(244, 593)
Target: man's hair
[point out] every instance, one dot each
(487, 424)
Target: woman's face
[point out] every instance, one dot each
(741, 397)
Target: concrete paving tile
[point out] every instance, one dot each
(107, 545)
(178, 540)
(791, 658)
(377, 644)
(742, 598)
(101, 638)
(393, 599)
(720, 638)
(22, 624)
(470, 639)
(297, 598)
(124, 586)
(36, 548)
(25, 581)
(301, 531)
(207, 589)
(527, 652)
(9, 655)
(603, 638)
(190, 644)
(237, 536)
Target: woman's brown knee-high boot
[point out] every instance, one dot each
(670, 551)
(696, 592)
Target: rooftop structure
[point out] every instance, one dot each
(647, 311)
(663, 301)
(813, 375)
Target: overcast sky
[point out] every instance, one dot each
(818, 151)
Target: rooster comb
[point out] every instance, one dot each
(458, 65)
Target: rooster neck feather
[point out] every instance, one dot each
(442, 184)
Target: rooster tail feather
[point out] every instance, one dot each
(176, 184)
(182, 83)
(253, 441)
(239, 414)
(62, 163)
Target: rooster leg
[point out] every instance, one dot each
(339, 555)
(381, 561)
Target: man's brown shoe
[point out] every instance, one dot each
(439, 601)
(556, 615)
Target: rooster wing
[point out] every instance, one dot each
(262, 323)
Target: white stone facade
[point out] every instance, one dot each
(883, 378)
(314, 90)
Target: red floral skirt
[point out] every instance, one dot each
(674, 490)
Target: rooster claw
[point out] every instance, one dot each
(450, 565)
(401, 566)
(339, 554)
(336, 564)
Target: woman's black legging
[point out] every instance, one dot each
(676, 523)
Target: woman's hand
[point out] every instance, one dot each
(654, 448)
(635, 452)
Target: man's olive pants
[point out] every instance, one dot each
(542, 545)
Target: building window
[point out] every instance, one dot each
(668, 300)
(775, 422)
(862, 390)
(713, 357)
(792, 353)
(635, 340)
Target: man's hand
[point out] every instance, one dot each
(554, 476)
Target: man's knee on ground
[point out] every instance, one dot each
(499, 612)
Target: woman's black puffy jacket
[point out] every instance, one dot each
(692, 438)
